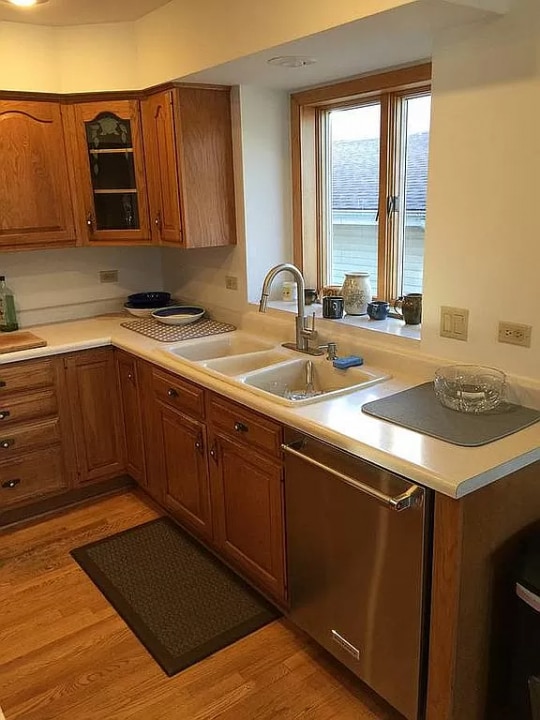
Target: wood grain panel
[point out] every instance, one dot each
(177, 393)
(128, 377)
(27, 406)
(22, 438)
(185, 472)
(161, 168)
(248, 511)
(96, 414)
(32, 476)
(76, 116)
(24, 376)
(35, 202)
(204, 139)
(245, 426)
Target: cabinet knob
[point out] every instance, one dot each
(3, 383)
(240, 427)
(4, 414)
(5, 444)
(90, 221)
(130, 376)
(171, 392)
(157, 221)
(213, 453)
(199, 444)
(8, 484)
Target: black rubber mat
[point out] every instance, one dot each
(419, 409)
(181, 601)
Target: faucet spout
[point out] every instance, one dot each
(303, 334)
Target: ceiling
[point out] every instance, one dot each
(79, 12)
(397, 37)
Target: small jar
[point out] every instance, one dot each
(356, 293)
(288, 291)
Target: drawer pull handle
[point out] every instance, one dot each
(240, 427)
(5, 444)
(8, 484)
(4, 414)
(171, 392)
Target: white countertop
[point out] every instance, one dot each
(446, 468)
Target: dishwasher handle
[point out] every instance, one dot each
(412, 497)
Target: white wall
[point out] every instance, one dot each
(485, 146)
(56, 285)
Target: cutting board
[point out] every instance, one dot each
(23, 340)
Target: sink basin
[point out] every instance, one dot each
(242, 364)
(286, 382)
(199, 350)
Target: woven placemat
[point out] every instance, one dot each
(172, 333)
(419, 409)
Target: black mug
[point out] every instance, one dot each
(332, 307)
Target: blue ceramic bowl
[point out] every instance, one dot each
(178, 314)
(149, 299)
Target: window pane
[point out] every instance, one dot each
(354, 147)
(417, 112)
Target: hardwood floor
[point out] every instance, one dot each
(66, 655)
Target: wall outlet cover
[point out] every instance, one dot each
(108, 276)
(515, 333)
(231, 282)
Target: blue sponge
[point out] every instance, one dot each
(343, 363)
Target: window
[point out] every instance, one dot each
(360, 152)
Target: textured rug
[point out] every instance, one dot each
(181, 602)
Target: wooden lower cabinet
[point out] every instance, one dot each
(185, 484)
(98, 431)
(128, 370)
(247, 495)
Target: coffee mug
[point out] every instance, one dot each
(411, 308)
(378, 310)
(310, 296)
(332, 307)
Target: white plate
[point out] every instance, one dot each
(178, 315)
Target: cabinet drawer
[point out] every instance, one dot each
(22, 438)
(245, 426)
(31, 406)
(178, 393)
(31, 476)
(23, 376)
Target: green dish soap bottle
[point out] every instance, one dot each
(8, 316)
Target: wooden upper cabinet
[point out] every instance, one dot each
(188, 145)
(35, 197)
(107, 147)
(162, 168)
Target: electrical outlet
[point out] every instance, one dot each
(231, 282)
(515, 333)
(108, 276)
(454, 323)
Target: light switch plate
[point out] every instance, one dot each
(454, 323)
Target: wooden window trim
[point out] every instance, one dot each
(307, 151)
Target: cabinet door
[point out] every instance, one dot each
(162, 168)
(35, 198)
(186, 490)
(204, 136)
(96, 415)
(129, 391)
(110, 166)
(247, 494)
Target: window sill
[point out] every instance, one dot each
(390, 327)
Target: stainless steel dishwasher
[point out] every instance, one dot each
(358, 548)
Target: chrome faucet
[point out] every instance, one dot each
(305, 336)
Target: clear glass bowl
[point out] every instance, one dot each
(469, 388)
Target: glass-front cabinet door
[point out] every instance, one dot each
(113, 197)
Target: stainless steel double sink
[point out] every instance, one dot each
(272, 371)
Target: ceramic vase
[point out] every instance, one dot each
(356, 293)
